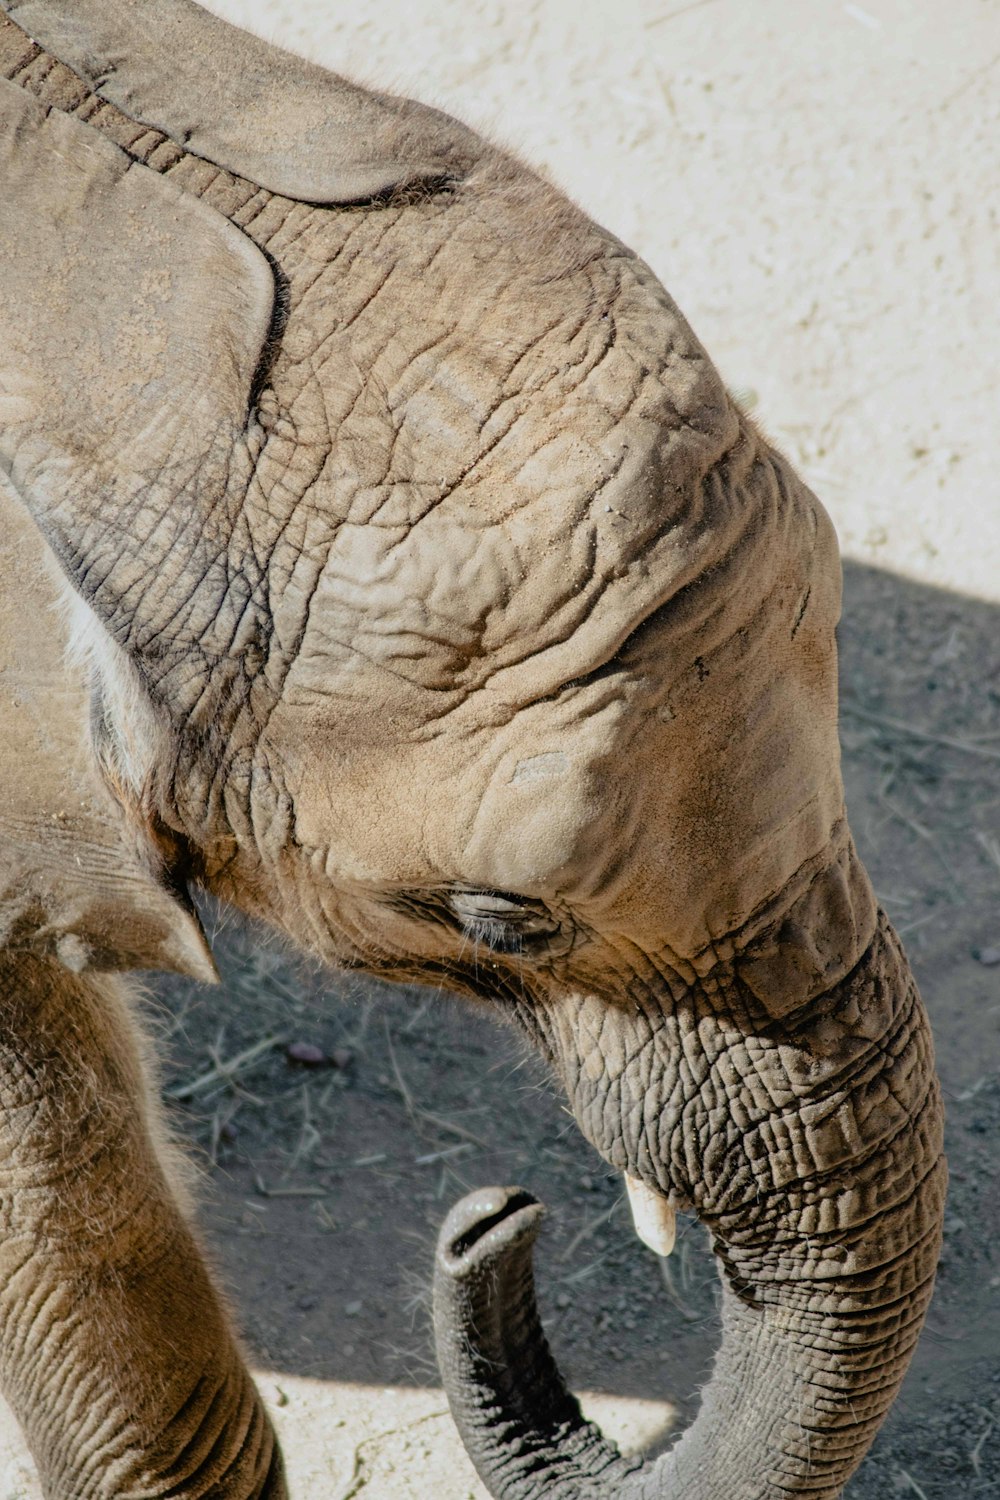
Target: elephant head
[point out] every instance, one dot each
(445, 612)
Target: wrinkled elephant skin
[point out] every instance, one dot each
(437, 606)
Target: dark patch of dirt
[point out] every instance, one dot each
(327, 1184)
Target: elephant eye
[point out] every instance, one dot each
(500, 921)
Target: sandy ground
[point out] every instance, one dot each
(816, 184)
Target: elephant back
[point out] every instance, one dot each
(234, 99)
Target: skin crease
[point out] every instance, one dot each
(423, 559)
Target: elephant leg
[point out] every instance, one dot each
(115, 1351)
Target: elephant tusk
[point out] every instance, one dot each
(654, 1219)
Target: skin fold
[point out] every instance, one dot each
(439, 608)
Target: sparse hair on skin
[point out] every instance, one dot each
(124, 730)
(182, 1173)
(493, 934)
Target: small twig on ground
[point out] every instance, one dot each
(358, 1478)
(225, 1113)
(917, 1489)
(990, 844)
(319, 1209)
(423, 1116)
(910, 822)
(689, 1314)
(418, 1014)
(910, 731)
(452, 1129)
(902, 928)
(425, 1161)
(224, 1071)
(588, 1229)
(972, 1090)
(681, 10)
(451, 1180)
(976, 1452)
(288, 1192)
(584, 1272)
(401, 1085)
(309, 1136)
(938, 1334)
(296, 1001)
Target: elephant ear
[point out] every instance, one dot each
(228, 96)
(75, 881)
(132, 320)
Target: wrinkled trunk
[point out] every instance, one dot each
(828, 1264)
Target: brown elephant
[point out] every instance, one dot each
(440, 608)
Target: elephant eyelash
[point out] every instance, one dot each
(495, 920)
(501, 922)
(498, 937)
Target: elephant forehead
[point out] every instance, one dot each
(528, 806)
(514, 466)
(450, 602)
(487, 550)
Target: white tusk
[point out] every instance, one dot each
(654, 1219)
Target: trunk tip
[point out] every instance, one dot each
(485, 1226)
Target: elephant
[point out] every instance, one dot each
(430, 600)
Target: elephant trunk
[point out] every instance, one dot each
(827, 1280)
(521, 1426)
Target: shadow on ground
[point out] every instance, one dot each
(326, 1186)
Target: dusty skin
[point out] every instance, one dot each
(366, 1460)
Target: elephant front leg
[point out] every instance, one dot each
(115, 1351)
